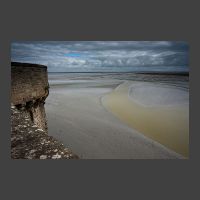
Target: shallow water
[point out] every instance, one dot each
(167, 125)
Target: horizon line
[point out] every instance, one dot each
(136, 72)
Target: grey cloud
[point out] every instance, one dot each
(103, 55)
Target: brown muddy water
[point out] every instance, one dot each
(167, 124)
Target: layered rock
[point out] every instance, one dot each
(29, 137)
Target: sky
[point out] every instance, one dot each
(104, 56)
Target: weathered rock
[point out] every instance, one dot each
(29, 143)
(29, 138)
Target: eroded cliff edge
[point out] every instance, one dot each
(29, 130)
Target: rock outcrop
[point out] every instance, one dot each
(29, 131)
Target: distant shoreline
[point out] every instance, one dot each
(148, 73)
(165, 73)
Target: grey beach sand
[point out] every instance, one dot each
(81, 115)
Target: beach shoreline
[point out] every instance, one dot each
(77, 117)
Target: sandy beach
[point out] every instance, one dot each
(82, 114)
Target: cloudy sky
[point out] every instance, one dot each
(84, 56)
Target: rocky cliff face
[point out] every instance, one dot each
(29, 89)
(29, 137)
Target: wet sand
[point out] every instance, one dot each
(161, 112)
(77, 117)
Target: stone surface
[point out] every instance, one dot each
(29, 89)
(30, 142)
(29, 137)
(28, 82)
